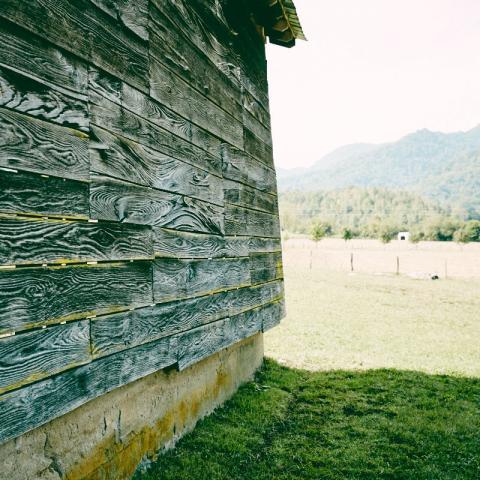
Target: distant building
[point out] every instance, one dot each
(403, 236)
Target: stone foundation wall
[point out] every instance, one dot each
(109, 437)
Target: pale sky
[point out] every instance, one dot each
(373, 71)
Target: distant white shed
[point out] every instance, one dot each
(403, 236)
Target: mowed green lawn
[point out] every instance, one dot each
(392, 389)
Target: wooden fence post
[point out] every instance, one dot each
(351, 262)
(398, 265)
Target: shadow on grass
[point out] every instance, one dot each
(293, 424)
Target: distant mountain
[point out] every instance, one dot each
(442, 166)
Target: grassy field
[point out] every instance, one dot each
(380, 380)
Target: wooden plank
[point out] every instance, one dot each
(25, 95)
(28, 240)
(42, 353)
(265, 267)
(175, 93)
(257, 148)
(241, 167)
(244, 325)
(131, 14)
(245, 196)
(103, 85)
(37, 404)
(32, 194)
(31, 297)
(256, 109)
(273, 315)
(264, 245)
(174, 50)
(37, 146)
(243, 221)
(176, 279)
(113, 333)
(127, 160)
(123, 202)
(175, 244)
(200, 343)
(85, 31)
(253, 125)
(110, 116)
(33, 56)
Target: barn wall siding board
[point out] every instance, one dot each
(36, 404)
(32, 297)
(38, 146)
(85, 31)
(26, 95)
(41, 60)
(33, 194)
(273, 315)
(244, 221)
(266, 267)
(127, 160)
(125, 202)
(241, 195)
(27, 241)
(42, 353)
(112, 117)
(173, 278)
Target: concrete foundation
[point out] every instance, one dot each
(109, 437)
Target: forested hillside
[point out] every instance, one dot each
(439, 166)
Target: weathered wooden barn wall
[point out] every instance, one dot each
(138, 211)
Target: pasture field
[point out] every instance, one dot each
(341, 320)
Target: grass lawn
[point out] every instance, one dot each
(389, 387)
(293, 424)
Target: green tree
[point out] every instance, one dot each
(468, 232)
(320, 230)
(347, 234)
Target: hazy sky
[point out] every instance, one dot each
(373, 71)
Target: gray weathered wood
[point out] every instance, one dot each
(35, 57)
(241, 167)
(175, 93)
(28, 240)
(36, 404)
(244, 196)
(131, 14)
(176, 244)
(33, 194)
(265, 267)
(31, 356)
(30, 297)
(273, 314)
(37, 146)
(264, 245)
(110, 116)
(123, 202)
(175, 279)
(23, 94)
(241, 326)
(257, 148)
(243, 221)
(253, 125)
(85, 31)
(127, 160)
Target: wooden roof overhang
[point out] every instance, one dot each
(280, 22)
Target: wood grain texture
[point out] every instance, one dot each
(112, 117)
(257, 148)
(42, 353)
(255, 108)
(273, 315)
(244, 325)
(176, 244)
(37, 146)
(123, 202)
(85, 31)
(200, 343)
(30, 297)
(176, 51)
(175, 279)
(131, 14)
(25, 95)
(243, 221)
(36, 404)
(175, 93)
(24, 241)
(127, 160)
(265, 267)
(239, 194)
(35, 57)
(264, 245)
(241, 167)
(104, 85)
(32, 194)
